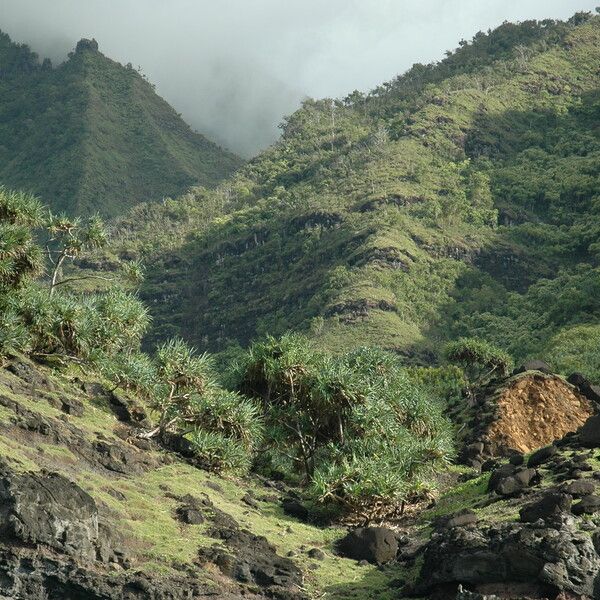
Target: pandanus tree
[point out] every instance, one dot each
(357, 429)
(68, 239)
(20, 256)
(304, 394)
(223, 427)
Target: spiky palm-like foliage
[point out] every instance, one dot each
(359, 429)
(20, 256)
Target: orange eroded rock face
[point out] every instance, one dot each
(536, 410)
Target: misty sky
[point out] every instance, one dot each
(234, 68)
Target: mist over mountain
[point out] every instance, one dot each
(363, 365)
(235, 68)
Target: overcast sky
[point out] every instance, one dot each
(234, 68)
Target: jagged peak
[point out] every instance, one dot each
(85, 44)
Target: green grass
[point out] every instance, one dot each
(146, 517)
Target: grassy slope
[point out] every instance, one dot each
(367, 223)
(92, 135)
(158, 542)
(141, 507)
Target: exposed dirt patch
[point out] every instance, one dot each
(536, 409)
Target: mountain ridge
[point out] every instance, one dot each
(376, 218)
(93, 136)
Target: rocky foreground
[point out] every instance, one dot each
(90, 511)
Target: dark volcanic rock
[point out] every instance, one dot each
(589, 432)
(542, 455)
(549, 506)
(516, 459)
(295, 508)
(116, 457)
(249, 558)
(376, 545)
(72, 407)
(588, 505)
(28, 372)
(194, 510)
(583, 384)
(534, 365)
(316, 554)
(125, 409)
(582, 487)
(48, 509)
(461, 518)
(509, 480)
(26, 575)
(560, 557)
(190, 515)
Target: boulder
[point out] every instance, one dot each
(249, 558)
(589, 432)
(588, 505)
(509, 480)
(190, 515)
(498, 556)
(50, 510)
(516, 459)
(499, 474)
(376, 545)
(533, 365)
(295, 508)
(462, 518)
(548, 507)
(316, 554)
(72, 407)
(596, 540)
(542, 455)
(581, 487)
(584, 385)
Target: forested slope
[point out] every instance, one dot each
(92, 135)
(459, 198)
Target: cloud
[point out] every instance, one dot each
(234, 68)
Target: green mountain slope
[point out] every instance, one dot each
(92, 135)
(460, 198)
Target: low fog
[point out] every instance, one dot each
(234, 68)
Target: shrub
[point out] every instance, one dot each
(480, 361)
(224, 427)
(358, 428)
(20, 256)
(395, 439)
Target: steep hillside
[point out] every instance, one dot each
(119, 517)
(460, 198)
(92, 135)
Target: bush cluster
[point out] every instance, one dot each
(358, 430)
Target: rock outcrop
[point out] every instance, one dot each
(529, 410)
(377, 545)
(553, 559)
